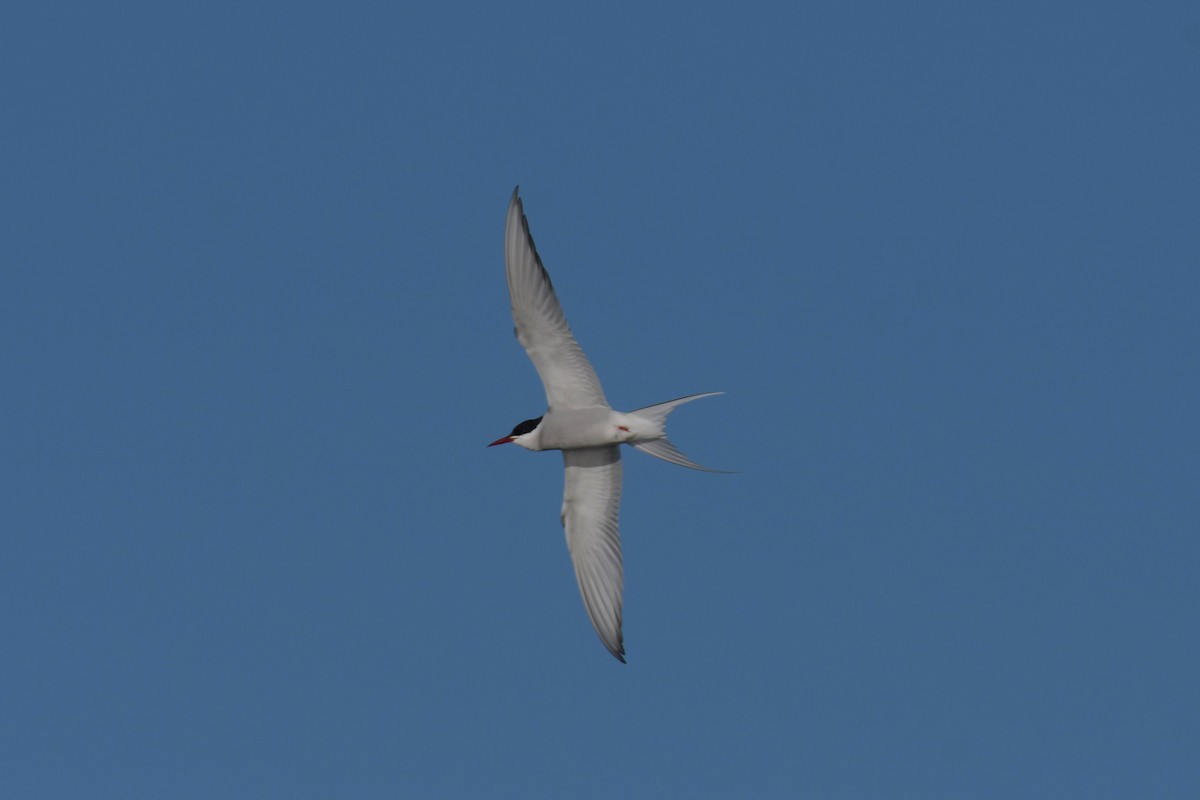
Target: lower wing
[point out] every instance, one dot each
(591, 505)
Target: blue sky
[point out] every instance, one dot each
(942, 257)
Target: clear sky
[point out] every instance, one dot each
(944, 258)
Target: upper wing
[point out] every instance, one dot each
(591, 503)
(542, 327)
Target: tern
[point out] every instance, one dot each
(579, 421)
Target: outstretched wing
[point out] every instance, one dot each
(541, 326)
(591, 504)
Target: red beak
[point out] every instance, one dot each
(504, 440)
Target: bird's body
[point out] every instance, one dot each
(598, 426)
(579, 422)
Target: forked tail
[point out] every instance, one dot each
(662, 448)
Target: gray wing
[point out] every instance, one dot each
(541, 326)
(591, 503)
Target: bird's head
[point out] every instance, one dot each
(525, 434)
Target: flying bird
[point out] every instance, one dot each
(579, 422)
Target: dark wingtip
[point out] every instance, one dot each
(618, 651)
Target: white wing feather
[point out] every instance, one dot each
(541, 326)
(591, 504)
